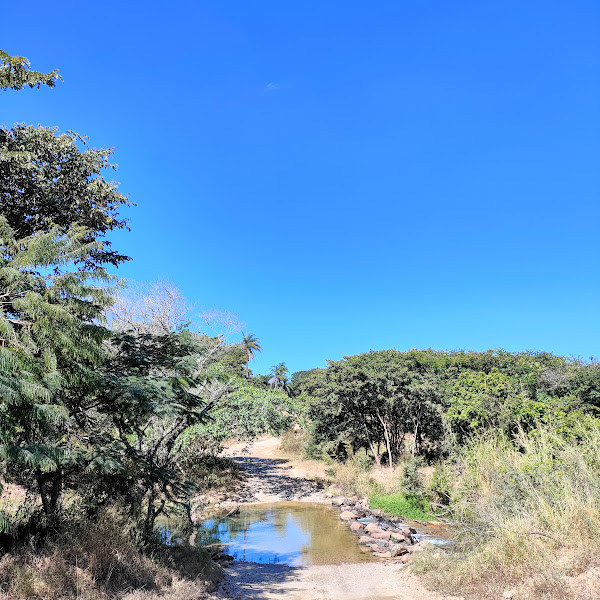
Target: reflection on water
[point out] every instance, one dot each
(292, 533)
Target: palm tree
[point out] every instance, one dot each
(279, 375)
(251, 344)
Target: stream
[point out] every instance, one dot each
(290, 533)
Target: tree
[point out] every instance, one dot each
(15, 74)
(56, 208)
(279, 375)
(154, 388)
(51, 346)
(158, 307)
(47, 180)
(377, 399)
(251, 344)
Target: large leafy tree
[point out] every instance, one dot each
(51, 346)
(56, 208)
(48, 179)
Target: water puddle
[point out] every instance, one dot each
(291, 533)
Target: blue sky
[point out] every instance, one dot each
(345, 176)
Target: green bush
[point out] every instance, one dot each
(411, 478)
(441, 484)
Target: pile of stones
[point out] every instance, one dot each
(380, 533)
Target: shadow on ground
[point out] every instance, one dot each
(265, 476)
(254, 581)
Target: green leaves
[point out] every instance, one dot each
(47, 181)
(425, 401)
(50, 347)
(15, 74)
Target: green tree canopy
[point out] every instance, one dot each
(47, 180)
(15, 74)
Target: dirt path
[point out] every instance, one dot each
(271, 478)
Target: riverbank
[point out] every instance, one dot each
(270, 476)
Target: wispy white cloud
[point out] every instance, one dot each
(272, 86)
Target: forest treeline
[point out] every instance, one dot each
(426, 402)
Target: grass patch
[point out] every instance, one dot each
(99, 560)
(408, 506)
(527, 516)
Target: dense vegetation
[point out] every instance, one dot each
(110, 398)
(512, 443)
(427, 403)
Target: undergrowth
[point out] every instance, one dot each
(527, 517)
(98, 559)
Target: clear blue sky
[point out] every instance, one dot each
(345, 176)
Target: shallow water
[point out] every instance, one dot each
(291, 533)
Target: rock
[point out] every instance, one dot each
(409, 531)
(383, 535)
(398, 550)
(387, 554)
(397, 537)
(508, 594)
(371, 527)
(337, 501)
(376, 512)
(356, 526)
(405, 559)
(365, 539)
(347, 515)
(374, 547)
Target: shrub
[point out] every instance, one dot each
(440, 487)
(411, 480)
(527, 514)
(97, 559)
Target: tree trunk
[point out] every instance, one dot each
(414, 446)
(50, 494)
(387, 441)
(374, 450)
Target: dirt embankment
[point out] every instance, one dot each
(271, 478)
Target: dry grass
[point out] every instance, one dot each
(12, 498)
(99, 560)
(528, 518)
(356, 477)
